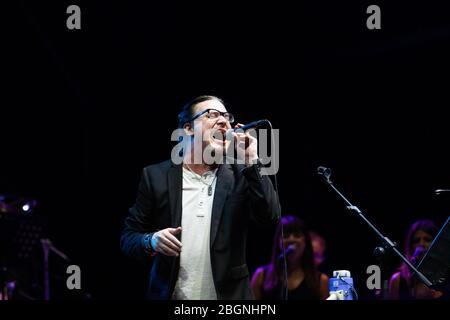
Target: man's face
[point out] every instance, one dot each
(212, 130)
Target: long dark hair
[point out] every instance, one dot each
(275, 270)
(426, 226)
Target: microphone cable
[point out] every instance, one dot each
(351, 286)
(284, 286)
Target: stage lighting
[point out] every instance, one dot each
(27, 206)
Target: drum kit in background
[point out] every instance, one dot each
(24, 251)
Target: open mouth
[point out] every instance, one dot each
(219, 136)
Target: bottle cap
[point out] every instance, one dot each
(341, 273)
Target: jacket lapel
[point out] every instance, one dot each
(223, 185)
(175, 187)
(175, 184)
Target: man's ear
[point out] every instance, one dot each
(188, 130)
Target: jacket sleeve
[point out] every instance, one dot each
(138, 222)
(264, 203)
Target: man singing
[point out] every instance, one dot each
(192, 217)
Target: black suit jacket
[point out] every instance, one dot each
(241, 194)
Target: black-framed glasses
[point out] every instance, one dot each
(214, 114)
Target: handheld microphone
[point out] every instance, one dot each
(418, 254)
(289, 250)
(441, 191)
(252, 125)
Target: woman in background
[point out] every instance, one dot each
(304, 280)
(402, 284)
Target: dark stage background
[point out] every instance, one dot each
(85, 110)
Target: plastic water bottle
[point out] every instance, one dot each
(342, 281)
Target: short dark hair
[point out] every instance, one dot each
(188, 109)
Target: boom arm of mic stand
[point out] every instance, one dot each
(385, 240)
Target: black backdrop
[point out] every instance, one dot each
(85, 110)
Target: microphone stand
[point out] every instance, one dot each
(386, 242)
(47, 246)
(439, 192)
(3, 283)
